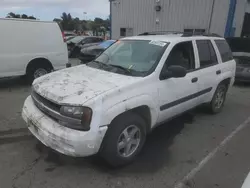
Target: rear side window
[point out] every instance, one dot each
(224, 49)
(206, 53)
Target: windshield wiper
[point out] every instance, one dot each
(100, 63)
(122, 68)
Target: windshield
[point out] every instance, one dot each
(106, 44)
(76, 39)
(131, 57)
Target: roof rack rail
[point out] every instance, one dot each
(160, 33)
(184, 34)
(189, 34)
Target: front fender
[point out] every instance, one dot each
(131, 103)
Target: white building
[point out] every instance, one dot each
(223, 17)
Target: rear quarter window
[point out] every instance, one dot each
(224, 49)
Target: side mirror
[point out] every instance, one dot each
(174, 71)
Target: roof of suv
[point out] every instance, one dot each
(170, 37)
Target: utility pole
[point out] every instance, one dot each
(211, 17)
(110, 17)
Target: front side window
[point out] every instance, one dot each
(182, 55)
(131, 57)
(224, 49)
(206, 53)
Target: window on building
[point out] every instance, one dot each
(206, 53)
(126, 32)
(194, 31)
(183, 55)
(225, 51)
(123, 32)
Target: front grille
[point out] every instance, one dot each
(52, 110)
(45, 102)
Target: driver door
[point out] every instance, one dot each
(177, 95)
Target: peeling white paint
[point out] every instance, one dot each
(79, 84)
(62, 139)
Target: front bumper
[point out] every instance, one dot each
(62, 139)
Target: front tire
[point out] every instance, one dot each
(36, 71)
(219, 98)
(124, 139)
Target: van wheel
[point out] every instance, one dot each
(218, 101)
(36, 71)
(124, 140)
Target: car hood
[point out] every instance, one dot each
(77, 85)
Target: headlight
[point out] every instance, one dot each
(77, 112)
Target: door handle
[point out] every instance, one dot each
(218, 72)
(194, 80)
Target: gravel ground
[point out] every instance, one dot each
(170, 152)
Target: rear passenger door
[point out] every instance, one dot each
(208, 71)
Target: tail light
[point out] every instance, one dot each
(64, 38)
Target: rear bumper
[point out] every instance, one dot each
(62, 139)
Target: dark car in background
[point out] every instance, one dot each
(242, 69)
(241, 52)
(90, 53)
(77, 43)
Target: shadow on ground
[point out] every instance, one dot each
(242, 84)
(153, 157)
(15, 82)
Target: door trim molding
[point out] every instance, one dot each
(185, 99)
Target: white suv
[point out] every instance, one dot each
(108, 106)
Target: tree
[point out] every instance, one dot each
(67, 22)
(11, 15)
(23, 16)
(57, 20)
(32, 18)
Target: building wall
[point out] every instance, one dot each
(176, 15)
(219, 17)
(242, 6)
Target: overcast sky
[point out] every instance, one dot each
(50, 9)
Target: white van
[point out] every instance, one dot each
(31, 47)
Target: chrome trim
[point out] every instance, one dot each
(54, 113)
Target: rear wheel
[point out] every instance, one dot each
(217, 103)
(37, 70)
(124, 140)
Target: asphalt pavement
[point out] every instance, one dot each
(171, 152)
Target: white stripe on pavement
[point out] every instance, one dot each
(193, 172)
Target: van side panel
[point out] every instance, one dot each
(23, 41)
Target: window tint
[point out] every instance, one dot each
(183, 55)
(225, 51)
(206, 53)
